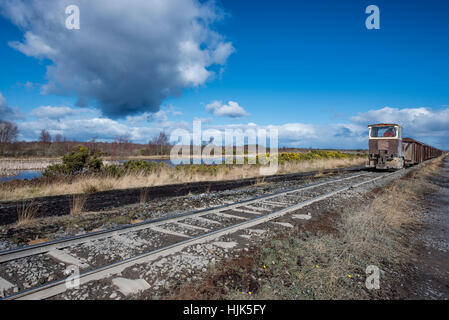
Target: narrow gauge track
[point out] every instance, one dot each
(183, 230)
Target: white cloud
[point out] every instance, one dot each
(203, 120)
(345, 136)
(8, 113)
(232, 109)
(49, 112)
(85, 124)
(3, 103)
(161, 116)
(34, 46)
(147, 117)
(430, 126)
(28, 85)
(427, 125)
(127, 56)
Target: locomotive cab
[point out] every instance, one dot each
(385, 147)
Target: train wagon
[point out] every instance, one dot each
(388, 150)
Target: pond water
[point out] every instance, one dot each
(23, 175)
(31, 174)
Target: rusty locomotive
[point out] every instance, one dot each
(388, 150)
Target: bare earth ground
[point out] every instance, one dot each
(428, 272)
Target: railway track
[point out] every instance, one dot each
(95, 254)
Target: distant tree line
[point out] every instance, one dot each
(59, 145)
(121, 146)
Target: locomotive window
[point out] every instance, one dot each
(381, 132)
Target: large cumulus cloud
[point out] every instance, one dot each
(128, 55)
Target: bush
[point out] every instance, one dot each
(77, 161)
(94, 163)
(55, 170)
(145, 167)
(142, 166)
(113, 170)
(316, 154)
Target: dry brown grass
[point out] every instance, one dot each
(77, 203)
(26, 213)
(260, 181)
(143, 198)
(163, 177)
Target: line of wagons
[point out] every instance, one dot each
(388, 150)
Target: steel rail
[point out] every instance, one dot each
(59, 286)
(40, 248)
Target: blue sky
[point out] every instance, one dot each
(309, 68)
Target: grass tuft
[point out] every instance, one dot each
(260, 181)
(26, 213)
(77, 203)
(143, 196)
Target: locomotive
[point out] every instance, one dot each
(388, 150)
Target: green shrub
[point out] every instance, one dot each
(94, 163)
(55, 170)
(143, 166)
(316, 154)
(76, 161)
(133, 166)
(113, 170)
